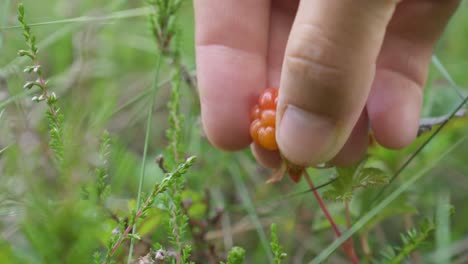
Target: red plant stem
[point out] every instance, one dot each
(349, 222)
(346, 246)
(176, 235)
(129, 228)
(125, 233)
(45, 93)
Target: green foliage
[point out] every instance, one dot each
(163, 24)
(174, 133)
(163, 27)
(173, 177)
(398, 208)
(54, 116)
(353, 177)
(276, 248)
(123, 231)
(100, 188)
(412, 240)
(186, 254)
(236, 256)
(112, 74)
(102, 173)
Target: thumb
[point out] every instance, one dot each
(328, 69)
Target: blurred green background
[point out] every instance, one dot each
(102, 69)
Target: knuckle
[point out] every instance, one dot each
(313, 68)
(317, 55)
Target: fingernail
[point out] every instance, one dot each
(305, 138)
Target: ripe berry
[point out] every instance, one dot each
(262, 130)
(263, 115)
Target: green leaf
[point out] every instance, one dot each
(134, 236)
(29, 85)
(353, 177)
(38, 98)
(371, 177)
(21, 9)
(32, 68)
(335, 195)
(342, 187)
(22, 53)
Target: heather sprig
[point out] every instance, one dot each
(102, 187)
(165, 31)
(411, 241)
(122, 232)
(54, 116)
(276, 248)
(236, 256)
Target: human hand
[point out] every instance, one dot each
(340, 65)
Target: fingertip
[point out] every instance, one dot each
(267, 158)
(306, 138)
(232, 135)
(396, 130)
(229, 82)
(394, 107)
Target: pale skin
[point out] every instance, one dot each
(342, 66)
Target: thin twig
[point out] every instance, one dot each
(128, 229)
(426, 124)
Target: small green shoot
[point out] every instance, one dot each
(412, 240)
(236, 256)
(276, 248)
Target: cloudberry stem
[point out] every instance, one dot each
(349, 223)
(346, 246)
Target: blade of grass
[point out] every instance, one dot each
(457, 248)
(379, 207)
(15, 98)
(279, 200)
(138, 97)
(440, 67)
(145, 148)
(443, 254)
(124, 14)
(244, 195)
(4, 17)
(4, 149)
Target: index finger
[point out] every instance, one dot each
(231, 48)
